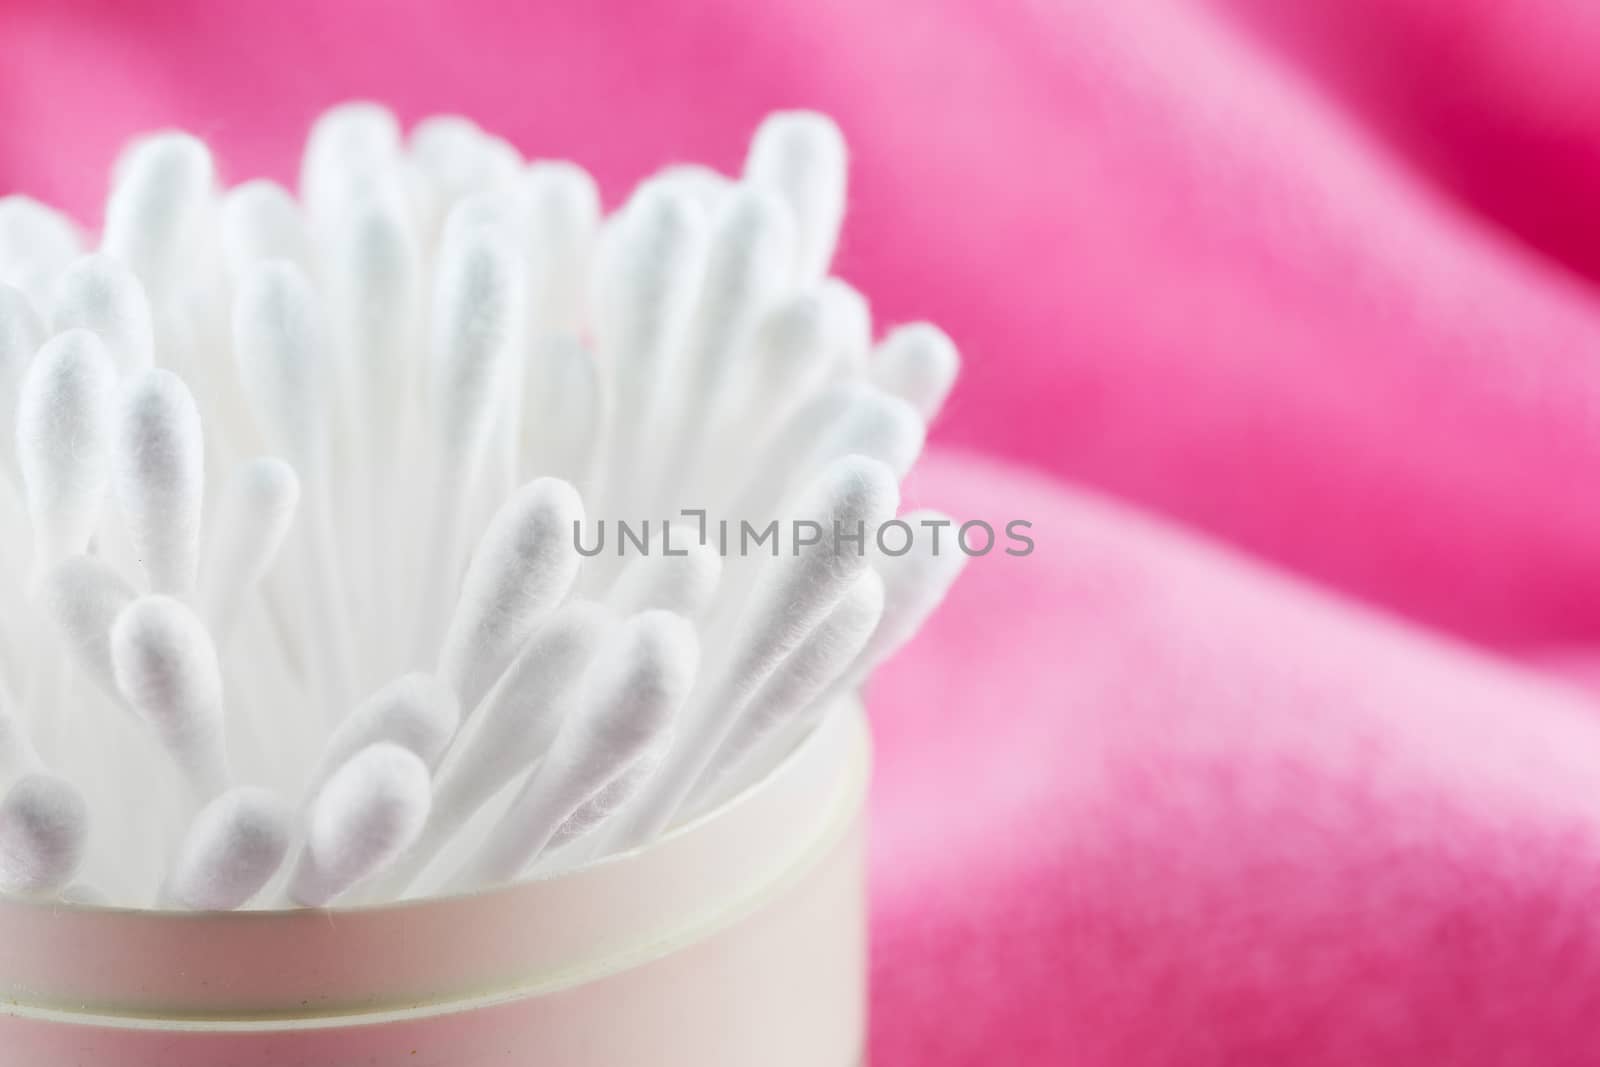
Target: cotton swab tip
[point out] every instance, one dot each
(166, 668)
(917, 363)
(160, 189)
(99, 293)
(44, 825)
(159, 475)
(418, 712)
(369, 812)
(802, 155)
(64, 428)
(232, 849)
(524, 565)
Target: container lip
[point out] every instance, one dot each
(251, 969)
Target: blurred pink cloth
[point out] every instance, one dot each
(1314, 280)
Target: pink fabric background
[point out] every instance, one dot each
(1313, 282)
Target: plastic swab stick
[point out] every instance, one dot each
(16, 751)
(802, 155)
(369, 811)
(166, 668)
(64, 429)
(84, 595)
(256, 507)
(522, 568)
(917, 363)
(232, 849)
(158, 472)
(565, 411)
(415, 711)
(101, 294)
(43, 828)
(790, 597)
(631, 695)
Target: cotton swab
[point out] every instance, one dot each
(159, 477)
(477, 300)
(84, 595)
(801, 155)
(166, 668)
(645, 287)
(232, 849)
(748, 260)
(562, 207)
(261, 221)
(21, 334)
(632, 693)
(253, 516)
(848, 419)
(284, 360)
(917, 363)
(369, 812)
(522, 568)
(43, 828)
(849, 326)
(36, 244)
(100, 294)
(64, 429)
(513, 728)
(159, 197)
(282, 348)
(679, 574)
(375, 283)
(415, 711)
(347, 146)
(855, 495)
(787, 701)
(704, 186)
(915, 583)
(597, 809)
(455, 159)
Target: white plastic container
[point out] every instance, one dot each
(738, 940)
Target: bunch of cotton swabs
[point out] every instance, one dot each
(296, 611)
